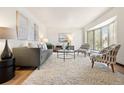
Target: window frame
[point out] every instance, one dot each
(101, 34)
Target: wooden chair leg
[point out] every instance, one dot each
(108, 65)
(92, 63)
(112, 66)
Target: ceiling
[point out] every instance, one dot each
(67, 17)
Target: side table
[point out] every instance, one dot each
(7, 69)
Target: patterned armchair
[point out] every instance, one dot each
(107, 55)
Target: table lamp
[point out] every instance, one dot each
(69, 38)
(45, 40)
(7, 33)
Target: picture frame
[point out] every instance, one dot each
(36, 32)
(31, 30)
(62, 37)
(21, 26)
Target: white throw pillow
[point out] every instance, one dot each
(24, 45)
(32, 45)
(45, 46)
(40, 45)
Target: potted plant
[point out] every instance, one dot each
(49, 45)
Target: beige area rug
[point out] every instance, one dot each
(73, 72)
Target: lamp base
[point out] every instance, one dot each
(6, 54)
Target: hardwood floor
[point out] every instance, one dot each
(119, 68)
(22, 74)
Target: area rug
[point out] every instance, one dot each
(76, 71)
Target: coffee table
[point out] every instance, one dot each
(65, 54)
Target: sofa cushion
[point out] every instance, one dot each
(42, 46)
(32, 45)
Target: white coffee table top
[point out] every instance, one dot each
(66, 50)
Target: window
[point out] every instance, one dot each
(104, 31)
(97, 43)
(112, 33)
(102, 37)
(90, 39)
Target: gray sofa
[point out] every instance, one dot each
(33, 57)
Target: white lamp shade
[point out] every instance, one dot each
(7, 33)
(70, 37)
(45, 40)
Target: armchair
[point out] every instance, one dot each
(107, 56)
(84, 49)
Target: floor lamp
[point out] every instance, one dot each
(6, 33)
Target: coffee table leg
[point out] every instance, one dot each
(64, 56)
(74, 55)
(57, 54)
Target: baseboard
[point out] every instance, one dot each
(120, 64)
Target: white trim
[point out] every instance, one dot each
(103, 23)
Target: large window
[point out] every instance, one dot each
(112, 33)
(90, 39)
(105, 37)
(102, 37)
(97, 43)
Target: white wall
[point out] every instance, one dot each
(42, 30)
(52, 34)
(8, 19)
(119, 12)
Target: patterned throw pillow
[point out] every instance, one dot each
(32, 45)
(42, 46)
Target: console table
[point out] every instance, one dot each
(7, 69)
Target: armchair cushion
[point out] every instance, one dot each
(96, 56)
